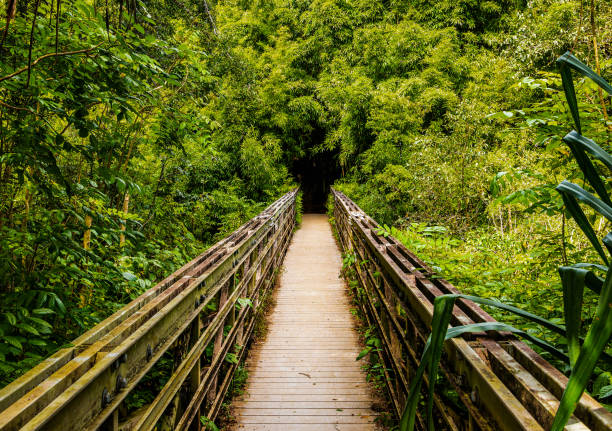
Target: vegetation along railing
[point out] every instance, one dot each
(500, 383)
(199, 319)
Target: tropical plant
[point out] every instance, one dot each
(583, 353)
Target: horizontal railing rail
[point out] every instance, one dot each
(194, 318)
(500, 382)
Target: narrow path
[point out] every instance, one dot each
(304, 376)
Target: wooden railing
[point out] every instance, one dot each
(500, 383)
(194, 319)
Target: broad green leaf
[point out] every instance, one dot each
(363, 353)
(129, 276)
(605, 392)
(566, 63)
(570, 60)
(570, 92)
(28, 328)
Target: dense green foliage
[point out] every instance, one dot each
(109, 175)
(583, 355)
(444, 119)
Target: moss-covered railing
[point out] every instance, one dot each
(488, 381)
(197, 321)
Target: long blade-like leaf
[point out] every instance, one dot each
(596, 340)
(590, 146)
(591, 280)
(571, 61)
(443, 308)
(607, 241)
(515, 310)
(443, 311)
(579, 217)
(578, 147)
(582, 195)
(498, 326)
(573, 281)
(570, 93)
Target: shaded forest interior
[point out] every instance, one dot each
(315, 174)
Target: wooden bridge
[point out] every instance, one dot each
(189, 334)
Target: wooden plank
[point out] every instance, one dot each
(308, 390)
(314, 420)
(307, 427)
(303, 404)
(305, 398)
(278, 411)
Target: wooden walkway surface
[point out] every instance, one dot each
(304, 376)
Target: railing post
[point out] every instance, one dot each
(212, 393)
(195, 377)
(112, 423)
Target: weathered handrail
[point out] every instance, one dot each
(502, 384)
(83, 387)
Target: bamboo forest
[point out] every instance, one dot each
(299, 215)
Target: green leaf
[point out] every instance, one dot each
(570, 92)
(571, 61)
(28, 328)
(573, 282)
(443, 307)
(129, 276)
(13, 341)
(231, 358)
(590, 146)
(11, 318)
(605, 392)
(43, 311)
(594, 344)
(590, 173)
(363, 353)
(244, 302)
(37, 342)
(579, 217)
(582, 195)
(567, 62)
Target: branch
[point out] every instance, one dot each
(14, 107)
(51, 54)
(32, 42)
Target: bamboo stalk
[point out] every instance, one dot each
(126, 204)
(87, 234)
(597, 66)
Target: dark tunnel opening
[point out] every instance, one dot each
(316, 173)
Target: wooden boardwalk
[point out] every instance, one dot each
(304, 376)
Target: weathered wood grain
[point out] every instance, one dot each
(305, 376)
